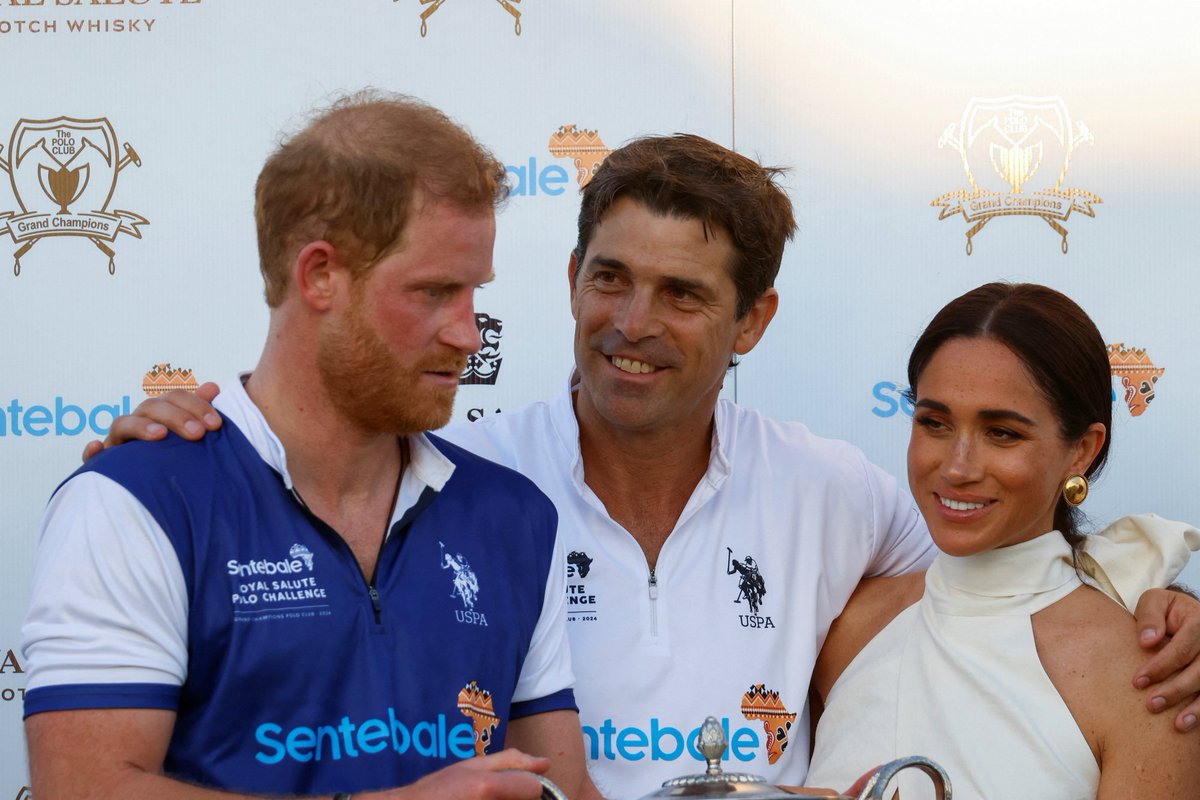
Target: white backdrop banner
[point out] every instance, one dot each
(933, 146)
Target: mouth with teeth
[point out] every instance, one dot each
(958, 505)
(632, 366)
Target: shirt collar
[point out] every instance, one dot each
(427, 466)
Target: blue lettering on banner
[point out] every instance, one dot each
(347, 739)
(892, 399)
(61, 419)
(529, 180)
(665, 743)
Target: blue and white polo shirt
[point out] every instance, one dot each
(189, 577)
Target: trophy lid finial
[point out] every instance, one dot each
(711, 743)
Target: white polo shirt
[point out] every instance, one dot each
(653, 657)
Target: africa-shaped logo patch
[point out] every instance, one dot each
(584, 147)
(163, 378)
(1137, 374)
(760, 703)
(476, 705)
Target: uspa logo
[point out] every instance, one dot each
(752, 589)
(483, 366)
(163, 378)
(584, 147)
(431, 6)
(1006, 145)
(64, 173)
(1137, 374)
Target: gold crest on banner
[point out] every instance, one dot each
(63, 173)
(432, 6)
(1008, 145)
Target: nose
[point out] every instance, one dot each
(461, 331)
(637, 318)
(962, 462)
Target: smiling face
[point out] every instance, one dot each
(391, 361)
(655, 325)
(987, 459)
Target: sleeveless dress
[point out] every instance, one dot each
(957, 678)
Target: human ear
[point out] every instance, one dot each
(1088, 447)
(753, 325)
(318, 273)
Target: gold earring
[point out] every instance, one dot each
(1075, 490)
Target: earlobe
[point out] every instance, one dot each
(752, 326)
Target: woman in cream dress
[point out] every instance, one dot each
(1005, 667)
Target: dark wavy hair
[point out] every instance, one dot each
(689, 176)
(1059, 345)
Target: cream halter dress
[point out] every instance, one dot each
(957, 677)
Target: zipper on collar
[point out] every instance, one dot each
(653, 586)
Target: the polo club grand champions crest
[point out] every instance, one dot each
(432, 6)
(760, 703)
(476, 705)
(64, 173)
(483, 366)
(1137, 374)
(1007, 145)
(163, 378)
(585, 149)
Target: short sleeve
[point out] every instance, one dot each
(107, 622)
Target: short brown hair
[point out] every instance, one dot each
(352, 174)
(689, 176)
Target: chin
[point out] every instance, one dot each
(959, 543)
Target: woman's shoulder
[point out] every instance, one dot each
(1088, 646)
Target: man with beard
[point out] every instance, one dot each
(265, 613)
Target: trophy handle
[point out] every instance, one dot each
(549, 790)
(874, 790)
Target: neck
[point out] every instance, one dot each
(644, 478)
(333, 462)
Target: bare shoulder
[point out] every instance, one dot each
(1088, 647)
(874, 604)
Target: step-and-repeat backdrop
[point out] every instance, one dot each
(933, 146)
